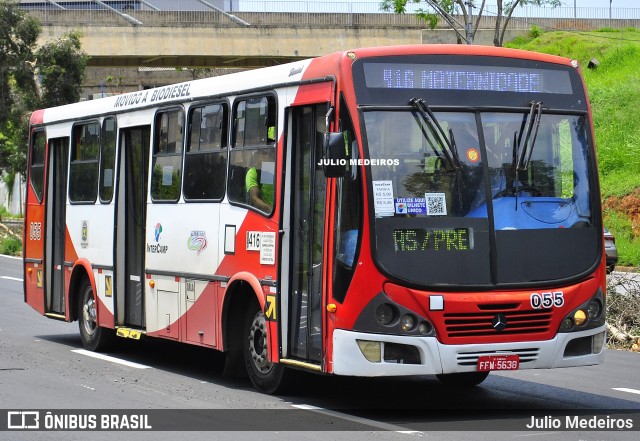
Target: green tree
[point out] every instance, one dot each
(471, 12)
(18, 36)
(61, 65)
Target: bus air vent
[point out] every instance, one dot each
(578, 347)
(401, 354)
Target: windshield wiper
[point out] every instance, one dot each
(523, 147)
(528, 137)
(447, 144)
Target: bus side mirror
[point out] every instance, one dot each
(334, 162)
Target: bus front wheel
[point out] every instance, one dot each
(463, 379)
(94, 337)
(266, 376)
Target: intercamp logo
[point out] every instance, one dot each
(23, 419)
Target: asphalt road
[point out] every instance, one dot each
(42, 366)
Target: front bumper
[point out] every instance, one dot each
(437, 358)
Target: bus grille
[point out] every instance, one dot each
(527, 355)
(477, 324)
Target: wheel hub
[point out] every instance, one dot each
(89, 316)
(258, 343)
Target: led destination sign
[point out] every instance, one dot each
(448, 239)
(466, 78)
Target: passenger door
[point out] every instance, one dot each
(306, 233)
(56, 225)
(131, 204)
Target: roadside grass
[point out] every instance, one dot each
(10, 246)
(627, 244)
(614, 91)
(10, 239)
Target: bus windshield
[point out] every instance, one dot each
(466, 198)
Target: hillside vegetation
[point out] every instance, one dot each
(614, 91)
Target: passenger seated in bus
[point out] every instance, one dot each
(259, 182)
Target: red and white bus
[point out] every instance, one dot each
(389, 211)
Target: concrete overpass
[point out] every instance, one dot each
(251, 39)
(143, 41)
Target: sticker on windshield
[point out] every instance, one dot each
(383, 198)
(473, 155)
(410, 206)
(436, 204)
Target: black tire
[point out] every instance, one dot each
(463, 379)
(610, 269)
(266, 376)
(94, 338)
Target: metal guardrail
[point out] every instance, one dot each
(322, 14)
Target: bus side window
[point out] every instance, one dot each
(206, 155)
(83, 174)
(348, 214)
(167, 155)
(36, 174)
(107, 159)
(252, 157)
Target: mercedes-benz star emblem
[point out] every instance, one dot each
(499, 322)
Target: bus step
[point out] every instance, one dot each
(129, 333)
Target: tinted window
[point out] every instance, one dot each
(206, 156)
(36, 175)
(252, 162)
(83, 175)
(107, 159)
(167, 155)
(348, 213)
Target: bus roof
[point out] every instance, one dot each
(242, 82)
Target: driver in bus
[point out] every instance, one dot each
(259, 181)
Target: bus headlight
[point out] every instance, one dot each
(598, 342)
(385, 314)
(594, 309)
(589, 315)
(408, 322)
(579, 317)
(567, 324)
(371, 350)
(425, 328)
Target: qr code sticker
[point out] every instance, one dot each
(436, 204)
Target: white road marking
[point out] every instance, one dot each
(111, 359)
(355, 419)
(12, 278)
(624, 389)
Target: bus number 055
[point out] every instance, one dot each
(546, 300)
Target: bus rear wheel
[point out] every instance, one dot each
(94, 337)
(463, 379)
(266, 376)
